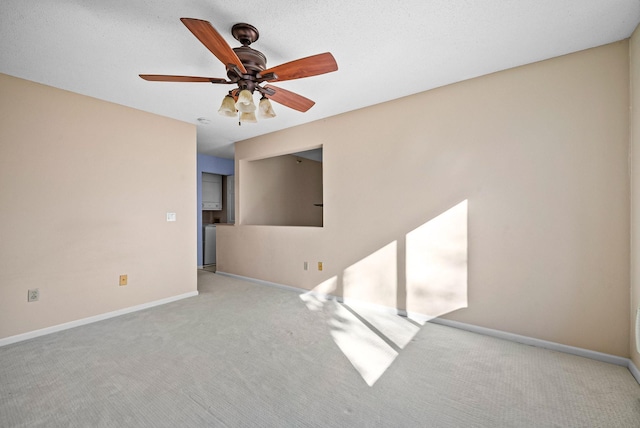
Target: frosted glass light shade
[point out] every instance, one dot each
(245, 102)
(228, 107)
(248, 117)
(265, 110)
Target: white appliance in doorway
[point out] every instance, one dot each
(209, 244)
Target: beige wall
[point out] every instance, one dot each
(527, 171)
(281, 190)
(634, 51)
(85, 188)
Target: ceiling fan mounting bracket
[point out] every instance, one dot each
(253, 61)
(245, 33)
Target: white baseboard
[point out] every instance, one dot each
(53, 329)
(586, 353)
(554, 346)
(634, 371)
(262, 282)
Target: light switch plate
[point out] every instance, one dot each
(171, 216)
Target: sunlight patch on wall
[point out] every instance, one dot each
(437, 264)
(367, 330)
(375, 278)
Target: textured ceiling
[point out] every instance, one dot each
(385, 49)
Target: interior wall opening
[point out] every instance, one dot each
(284, 190)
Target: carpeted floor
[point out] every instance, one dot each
(246, 355)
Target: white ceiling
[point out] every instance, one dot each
(385, 49)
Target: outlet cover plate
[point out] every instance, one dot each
(34, 295)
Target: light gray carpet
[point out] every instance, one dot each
(246, 355)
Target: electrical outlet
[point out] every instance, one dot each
(306, 266)
(319, 265)
(123, 280)
(33, 295)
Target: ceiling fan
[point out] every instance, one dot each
(247, 69)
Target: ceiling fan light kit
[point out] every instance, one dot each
(228, 107)
(265, 110)
(245, 102)
(246, 68)
(248, 117)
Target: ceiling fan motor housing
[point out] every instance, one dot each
(254, 61)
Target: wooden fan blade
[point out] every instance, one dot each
(289, 99)
(208, 36)
(304, 67)
(165, 78)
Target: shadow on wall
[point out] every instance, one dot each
(425, 271)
